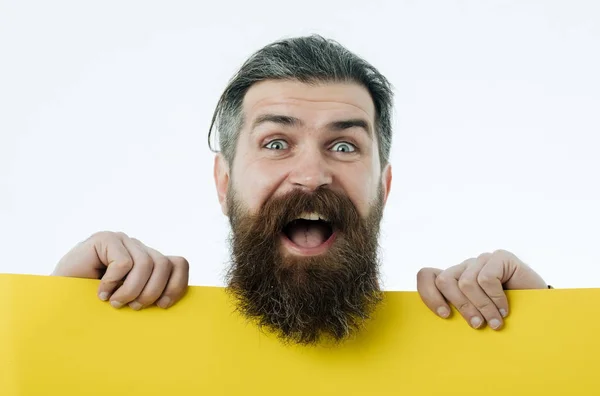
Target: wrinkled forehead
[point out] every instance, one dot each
(324, 100)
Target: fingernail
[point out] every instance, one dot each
(164, 302)
(503, 312)
(116, 304)
(475, 321)
(135, 305)
(443, 312)
(103, 296)
(494, 324)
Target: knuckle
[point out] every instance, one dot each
(466, 284)
(423, 272)
(147, 298)
(486, 280)
(484, 305)
(121, 235)
(110, 284)
(503, 253)
(505, 257)
(180, 262)
(442, 281)
(499, 298)
(125, 264)
(106, 235)
(139, 243)
(162, 262)
(468, 262)
(100, 235)
(125, 295)
(145, 261)
(465, 307)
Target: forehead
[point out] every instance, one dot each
(323, 99)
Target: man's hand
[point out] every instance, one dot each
(130, 272)
(476, 287)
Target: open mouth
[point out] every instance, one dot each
(309, 231)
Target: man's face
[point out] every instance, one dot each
(305, 196)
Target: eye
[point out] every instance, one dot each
(343, 147)
(277, 145)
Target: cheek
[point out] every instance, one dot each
(253, 183)
(361, 185)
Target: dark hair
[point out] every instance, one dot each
(311, 60)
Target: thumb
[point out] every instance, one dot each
(89, 258)
(516, 274)
(80, 262)
(525, 278)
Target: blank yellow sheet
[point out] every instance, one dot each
(57, 338)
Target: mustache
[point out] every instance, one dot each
(337, 208)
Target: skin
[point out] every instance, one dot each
(130, 272)
(292, 138)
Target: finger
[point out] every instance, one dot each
(447, 284)
(137, 278)
(429, 292)
(118, 261)
(177, 284)
(492, 275)
(158, 280)
(469, 286)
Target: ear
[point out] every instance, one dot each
(221, 175)
(386, 181)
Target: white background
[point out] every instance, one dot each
(105, 108)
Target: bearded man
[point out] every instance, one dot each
(303, 174)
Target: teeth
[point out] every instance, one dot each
(312, 216)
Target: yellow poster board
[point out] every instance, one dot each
(57, 338)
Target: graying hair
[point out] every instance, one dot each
(311, 60)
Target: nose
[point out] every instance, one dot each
(310, 171)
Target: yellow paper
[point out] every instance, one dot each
(57, 338)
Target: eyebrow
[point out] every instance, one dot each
(351, 123)
(289, 121)
(276, 119)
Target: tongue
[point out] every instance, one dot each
(308, 234)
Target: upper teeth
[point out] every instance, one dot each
(312, 216)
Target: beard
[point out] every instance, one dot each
(303, 299)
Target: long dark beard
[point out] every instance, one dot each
(303, 299)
